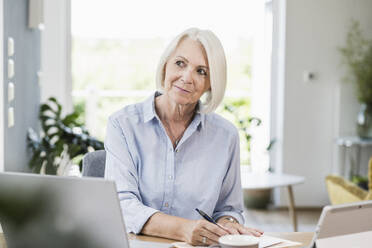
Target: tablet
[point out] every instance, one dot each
(345, 225)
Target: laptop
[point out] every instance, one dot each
(55, 211)
(344, 226)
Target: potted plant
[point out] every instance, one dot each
(63, 140)
(357, 55)
(239, 109)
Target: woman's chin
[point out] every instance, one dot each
(181, 100)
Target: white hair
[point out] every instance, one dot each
(216, 60)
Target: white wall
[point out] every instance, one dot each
(56, 53)
(313, 113)
(1, 88)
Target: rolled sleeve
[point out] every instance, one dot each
(230, 201)
(238, 216)
(135, 213)
(121, 168)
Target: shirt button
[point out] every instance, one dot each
(170, 177)
(176, 150)
(166, 204)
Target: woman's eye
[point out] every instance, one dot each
(202, 72)
(180, 63)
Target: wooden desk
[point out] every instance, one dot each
(303, 237)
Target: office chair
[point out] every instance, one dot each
(94, 164)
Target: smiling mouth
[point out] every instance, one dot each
(182, 89)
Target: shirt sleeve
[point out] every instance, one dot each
(230, 201)
(121, 168)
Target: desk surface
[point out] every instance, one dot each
(303, 237)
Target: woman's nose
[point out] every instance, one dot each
(187, 76)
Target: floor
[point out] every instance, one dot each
(278, 220)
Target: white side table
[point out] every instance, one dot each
(270, 180)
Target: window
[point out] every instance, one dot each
(116, 46)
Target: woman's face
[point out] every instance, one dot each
(187, 73)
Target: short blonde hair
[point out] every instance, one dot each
(216, 60)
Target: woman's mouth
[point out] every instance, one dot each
(183, 90)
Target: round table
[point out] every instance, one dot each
(269, 180)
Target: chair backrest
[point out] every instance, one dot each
(369, 196)
(94, 164)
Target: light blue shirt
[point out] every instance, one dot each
(203, 171)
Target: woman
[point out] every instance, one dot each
(171, 154)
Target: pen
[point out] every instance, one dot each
(208, 218)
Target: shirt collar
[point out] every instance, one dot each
(149, 110)
(149, 107)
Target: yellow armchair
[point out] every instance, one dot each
(342, 191)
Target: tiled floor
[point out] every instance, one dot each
(279, 221)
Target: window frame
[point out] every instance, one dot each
(56, 79)
(2, 100)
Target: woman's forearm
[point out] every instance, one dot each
(167, 226)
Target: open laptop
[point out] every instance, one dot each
(344, 226)
(55, 210)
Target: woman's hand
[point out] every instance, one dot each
(202, 232)
(236, 228)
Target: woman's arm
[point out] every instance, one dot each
(235, 228)
(190, 231)
(230, 199)
(229, 208)
(121, 168)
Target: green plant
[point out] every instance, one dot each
(357, 55)
(240, 110)
(361, 181)
(62, 139)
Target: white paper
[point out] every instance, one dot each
(274, 242)
(265, 241)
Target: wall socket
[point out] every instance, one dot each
(10, 46)
(10, 68)
(11, 93)
(10, 117)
